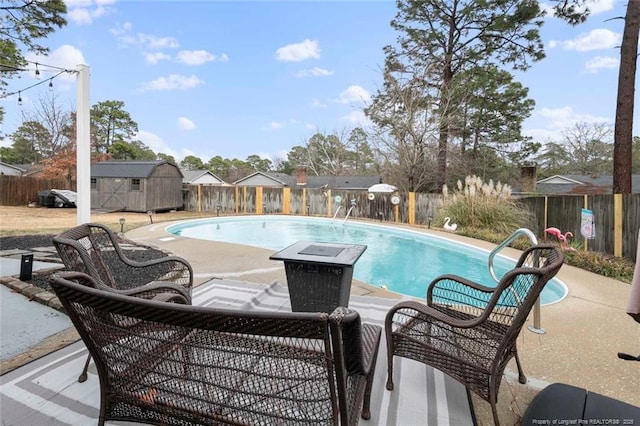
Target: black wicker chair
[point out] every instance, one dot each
(467, 330)
(174, 364)
(93, 248)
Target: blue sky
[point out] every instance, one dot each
(209, 78)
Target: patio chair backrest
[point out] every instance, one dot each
(89, 248)
(165, 363)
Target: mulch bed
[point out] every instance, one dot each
(41, 279)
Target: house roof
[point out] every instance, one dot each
(582, 184)
(126, 169)
(315, 182)
(192, 175)
(16, 167)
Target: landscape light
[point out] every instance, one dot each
(121, 220)
(150, 213)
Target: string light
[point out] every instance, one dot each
(19, 99)
(37, 72)
(36, 84)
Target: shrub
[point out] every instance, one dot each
(477, 204)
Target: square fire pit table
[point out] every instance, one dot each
(319, 274)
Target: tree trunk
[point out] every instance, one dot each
(623, 133)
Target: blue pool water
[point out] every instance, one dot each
(402, 260)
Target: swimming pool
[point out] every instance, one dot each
(401, 260)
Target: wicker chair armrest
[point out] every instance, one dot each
(153, 262)
(172, 298)
(370, 344)
(456, 289)
(361, 341)
(158, 291)
(417, 310)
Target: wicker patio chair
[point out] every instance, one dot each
(93, 249)
(467, 330)
(173, 364)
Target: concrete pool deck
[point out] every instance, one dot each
(584, 331)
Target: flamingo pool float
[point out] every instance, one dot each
(559, 235)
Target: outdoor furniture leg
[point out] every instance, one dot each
(83, 376)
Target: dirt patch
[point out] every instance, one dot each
(43, 220)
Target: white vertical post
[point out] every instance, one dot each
(83, 146)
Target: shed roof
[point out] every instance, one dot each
(127, 169)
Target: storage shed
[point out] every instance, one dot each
(136, 186)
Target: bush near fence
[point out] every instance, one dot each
(559, 211)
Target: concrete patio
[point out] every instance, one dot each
(584, 331)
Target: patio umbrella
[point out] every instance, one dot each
(633, 307)
(382, 187)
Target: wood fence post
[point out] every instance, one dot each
(329, 199)
(617, 225)
(258, 200)
(412, 208)
(199, 198)
(286, 200)
(586, 206)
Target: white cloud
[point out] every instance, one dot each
(83, 12)
(156, 144)
(557, 120)
(552, 44)
(599, 38)
(313, 72)
(155, 57)
(199, 57)
(298, 51)
(353, 94)
(595, 7)
(275, 125)
(316, 103)
(151, 41)
(601, 62)
(172, 82)
(185, 124)
(121, 29)
(357, 118)
(145, 41)
(599, 6)
(66, 56)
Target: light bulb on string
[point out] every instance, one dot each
(51, 84)
(20, 98)
(37, 72)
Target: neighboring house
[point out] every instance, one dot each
(301, 180)
(581, 185)
(201, 177)
(136, 186)
(11, 170)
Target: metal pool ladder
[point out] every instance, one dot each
(535, 328)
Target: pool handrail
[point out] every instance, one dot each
(336, 213)
(535, 328)
(348, 213)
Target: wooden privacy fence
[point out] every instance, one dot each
(616, 217)
(616, 220)
(21, 190)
